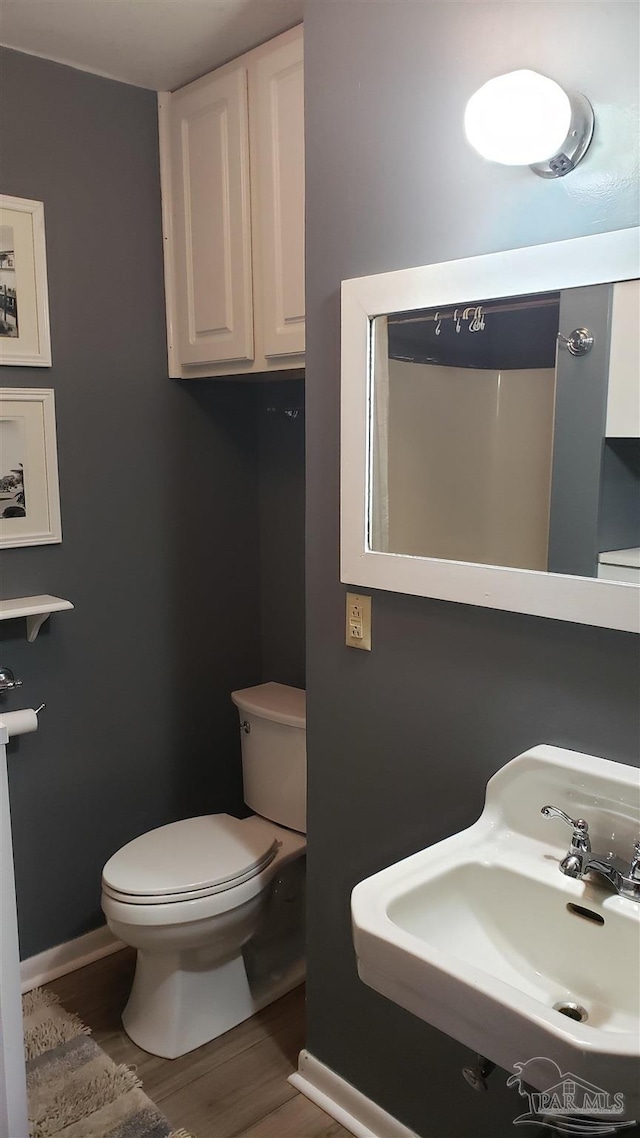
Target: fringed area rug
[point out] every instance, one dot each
(74, 1089)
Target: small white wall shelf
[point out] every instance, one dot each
(35, 609)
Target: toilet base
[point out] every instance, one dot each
(173, 1009)
(186, 996)
(156, 1017)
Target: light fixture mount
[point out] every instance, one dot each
(523, 118)
(576, 143)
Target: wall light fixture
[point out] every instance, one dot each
(525, 119)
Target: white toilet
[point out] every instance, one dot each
(215, 905)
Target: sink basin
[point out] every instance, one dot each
(516, 929)
(484, 938)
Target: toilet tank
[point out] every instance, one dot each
(274, 752)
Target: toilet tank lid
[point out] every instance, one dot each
(277, 702)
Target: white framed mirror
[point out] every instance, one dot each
(490, 431)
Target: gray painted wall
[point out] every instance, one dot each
(401, 741)
(281, 530)
(165, 491)
(619, 526)
(579, 426)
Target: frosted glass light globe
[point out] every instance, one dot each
(518, 119)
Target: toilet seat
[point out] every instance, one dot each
(191, 859)
(133, 911)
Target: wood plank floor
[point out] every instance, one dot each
(234, 1087)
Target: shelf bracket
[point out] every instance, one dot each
(34, 624)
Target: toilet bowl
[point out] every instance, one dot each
(191, 895)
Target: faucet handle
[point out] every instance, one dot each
(580, 841)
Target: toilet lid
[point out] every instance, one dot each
(195, 855)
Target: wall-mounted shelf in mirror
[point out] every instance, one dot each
(477, 462)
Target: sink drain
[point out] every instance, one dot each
(573, 1011)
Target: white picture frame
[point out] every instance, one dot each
(598, 259)
(25, 336)
(29, 490)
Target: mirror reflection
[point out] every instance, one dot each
(503, 432)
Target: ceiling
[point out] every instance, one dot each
(160, 44)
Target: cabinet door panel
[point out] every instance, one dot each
(278, 180)
(210, 163)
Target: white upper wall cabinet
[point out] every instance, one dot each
(232, 171)
(209, 154)
(277, 90)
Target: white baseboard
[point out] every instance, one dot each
(348, 1106)
(67, 957)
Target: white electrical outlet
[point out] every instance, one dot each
(358, 621)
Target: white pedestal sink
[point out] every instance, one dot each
(485, 938)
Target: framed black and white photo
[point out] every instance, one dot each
(25, 337)
(29, 494)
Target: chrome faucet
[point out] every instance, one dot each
(579, 859)
(573, 864)
(624, 878)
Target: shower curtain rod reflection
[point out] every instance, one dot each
(462, 313)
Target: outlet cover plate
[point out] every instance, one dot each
(358, 621)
